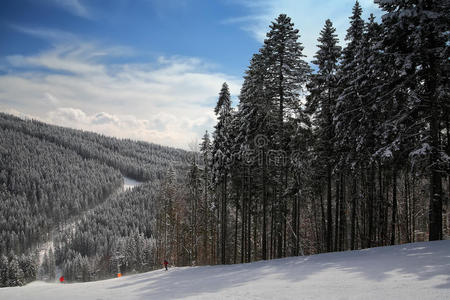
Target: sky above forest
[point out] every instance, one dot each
(142, 69)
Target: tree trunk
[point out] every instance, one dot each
(435, 212)
(342, 216)
(264, 225)
(294, 238)
(336, 219)
(407, 208)
(329, 214)
(323, 227)
(353, 222)
(371, 208)
(394, 204)
(249, 231)
(236, 231)
(224, 221)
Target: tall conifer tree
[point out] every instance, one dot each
(321, 104)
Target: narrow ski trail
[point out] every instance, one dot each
(45, 248)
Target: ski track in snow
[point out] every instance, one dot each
(410, 271)
(128, 184)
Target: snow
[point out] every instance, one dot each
(426, 148)
(45, 248)
(412, 271)
(129, 183)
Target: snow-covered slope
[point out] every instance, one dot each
(413, 271)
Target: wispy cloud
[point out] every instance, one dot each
(308, 16)
(75, 7)
(168, 100)
(51, 35)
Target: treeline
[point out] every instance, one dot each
(363, 161)
(138, 160)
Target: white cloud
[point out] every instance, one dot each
(74, 7)
(53, 35)
(168, 101)
(165, 129)
(68, 115)
(308, 16)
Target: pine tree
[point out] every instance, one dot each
(287, 72)
(344, 121)
(222, 158)
(205, 149)
(3, 271)
(28, 266)
(194, 199)
(15, 273)
(256, 121)
(321, 104)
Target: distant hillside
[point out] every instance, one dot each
(42, 184)
(139, 160)
(50, 175)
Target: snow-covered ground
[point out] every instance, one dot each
(413, 271)
(129, 183)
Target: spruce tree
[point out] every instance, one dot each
(221, 159)
(345, 122)
(321, 105)
(3, 271)
(205, 207)
(15, 275)
(287, 72)
(257, 121)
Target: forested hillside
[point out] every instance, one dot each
(139, 160)
(50, 176)
(43, 184)
(115, 237)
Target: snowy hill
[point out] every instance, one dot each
(412, 271)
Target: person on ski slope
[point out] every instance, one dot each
(165, 264)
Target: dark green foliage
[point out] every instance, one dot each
(416, 41)
(15, 275)
(321, 104)
(119, 232)
(3, 270)
(139, 160)
(28, 264)
(44, 184)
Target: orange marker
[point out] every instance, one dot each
(119, 275)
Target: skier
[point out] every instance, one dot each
(165, 264)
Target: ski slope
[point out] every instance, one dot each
(128, 184)
(412, 271)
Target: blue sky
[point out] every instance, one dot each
(142, 69)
